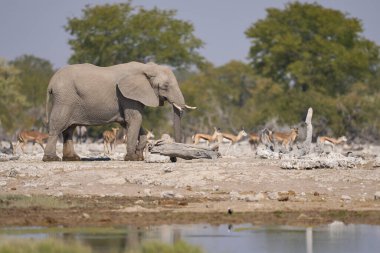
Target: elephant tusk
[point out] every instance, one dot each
(190, 107)
(178, 107)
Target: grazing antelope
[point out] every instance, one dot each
(324, 140)
(286, 139)
(109, 137)
(208, 138)
(26, 136)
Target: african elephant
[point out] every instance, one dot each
(84, 94)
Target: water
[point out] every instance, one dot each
(336, 237)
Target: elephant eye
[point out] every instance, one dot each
(165, 86)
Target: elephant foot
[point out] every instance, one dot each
(71, 158)
(133, 157)
(51, 158)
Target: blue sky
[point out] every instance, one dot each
(36, 26)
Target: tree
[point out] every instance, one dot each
(307, 45)
(34, 75)
(12, 99)
(118, 33)
(220, 95)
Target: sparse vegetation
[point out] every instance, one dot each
(42, 246)
(23, 201)
(158, 247)
(57, 246)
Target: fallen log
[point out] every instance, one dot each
(184, 151)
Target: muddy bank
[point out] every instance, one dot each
(105, 211)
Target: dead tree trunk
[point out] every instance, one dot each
(184, 151)
(306, 146)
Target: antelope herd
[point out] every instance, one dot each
(285, 140)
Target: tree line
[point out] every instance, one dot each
(301, 56)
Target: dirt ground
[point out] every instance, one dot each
(237, 188)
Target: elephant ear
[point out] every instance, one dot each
(137, 87)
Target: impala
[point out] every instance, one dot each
(109, 138)
(286, 139)
(27, 136)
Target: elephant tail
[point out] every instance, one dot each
(48, 105)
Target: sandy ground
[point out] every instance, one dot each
(168, 192)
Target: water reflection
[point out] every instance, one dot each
(336, 237)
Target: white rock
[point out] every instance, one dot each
(273, 195)
(377, 195)
(58, 194)
(168, 169)
(215, 188)
(250, 198)
(147, 192)
(200, 194)
(30, 184)
(167, 194)
(139, 202)
(68, 184)
(345, 198)
(234, 195)
(3, 183)
(179, 196)
(260, 196)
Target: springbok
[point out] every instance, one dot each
(26, 136)
(329, 141)
(233, 138)
(286, 139)
(208, 138)
(254, 139)
(109, 138)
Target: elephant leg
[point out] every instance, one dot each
(68, 145)
(50, 149)
(143, 140)
(59, 117)
(132, 137)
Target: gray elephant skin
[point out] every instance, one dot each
(84, 95)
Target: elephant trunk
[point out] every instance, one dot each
(177, 124)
